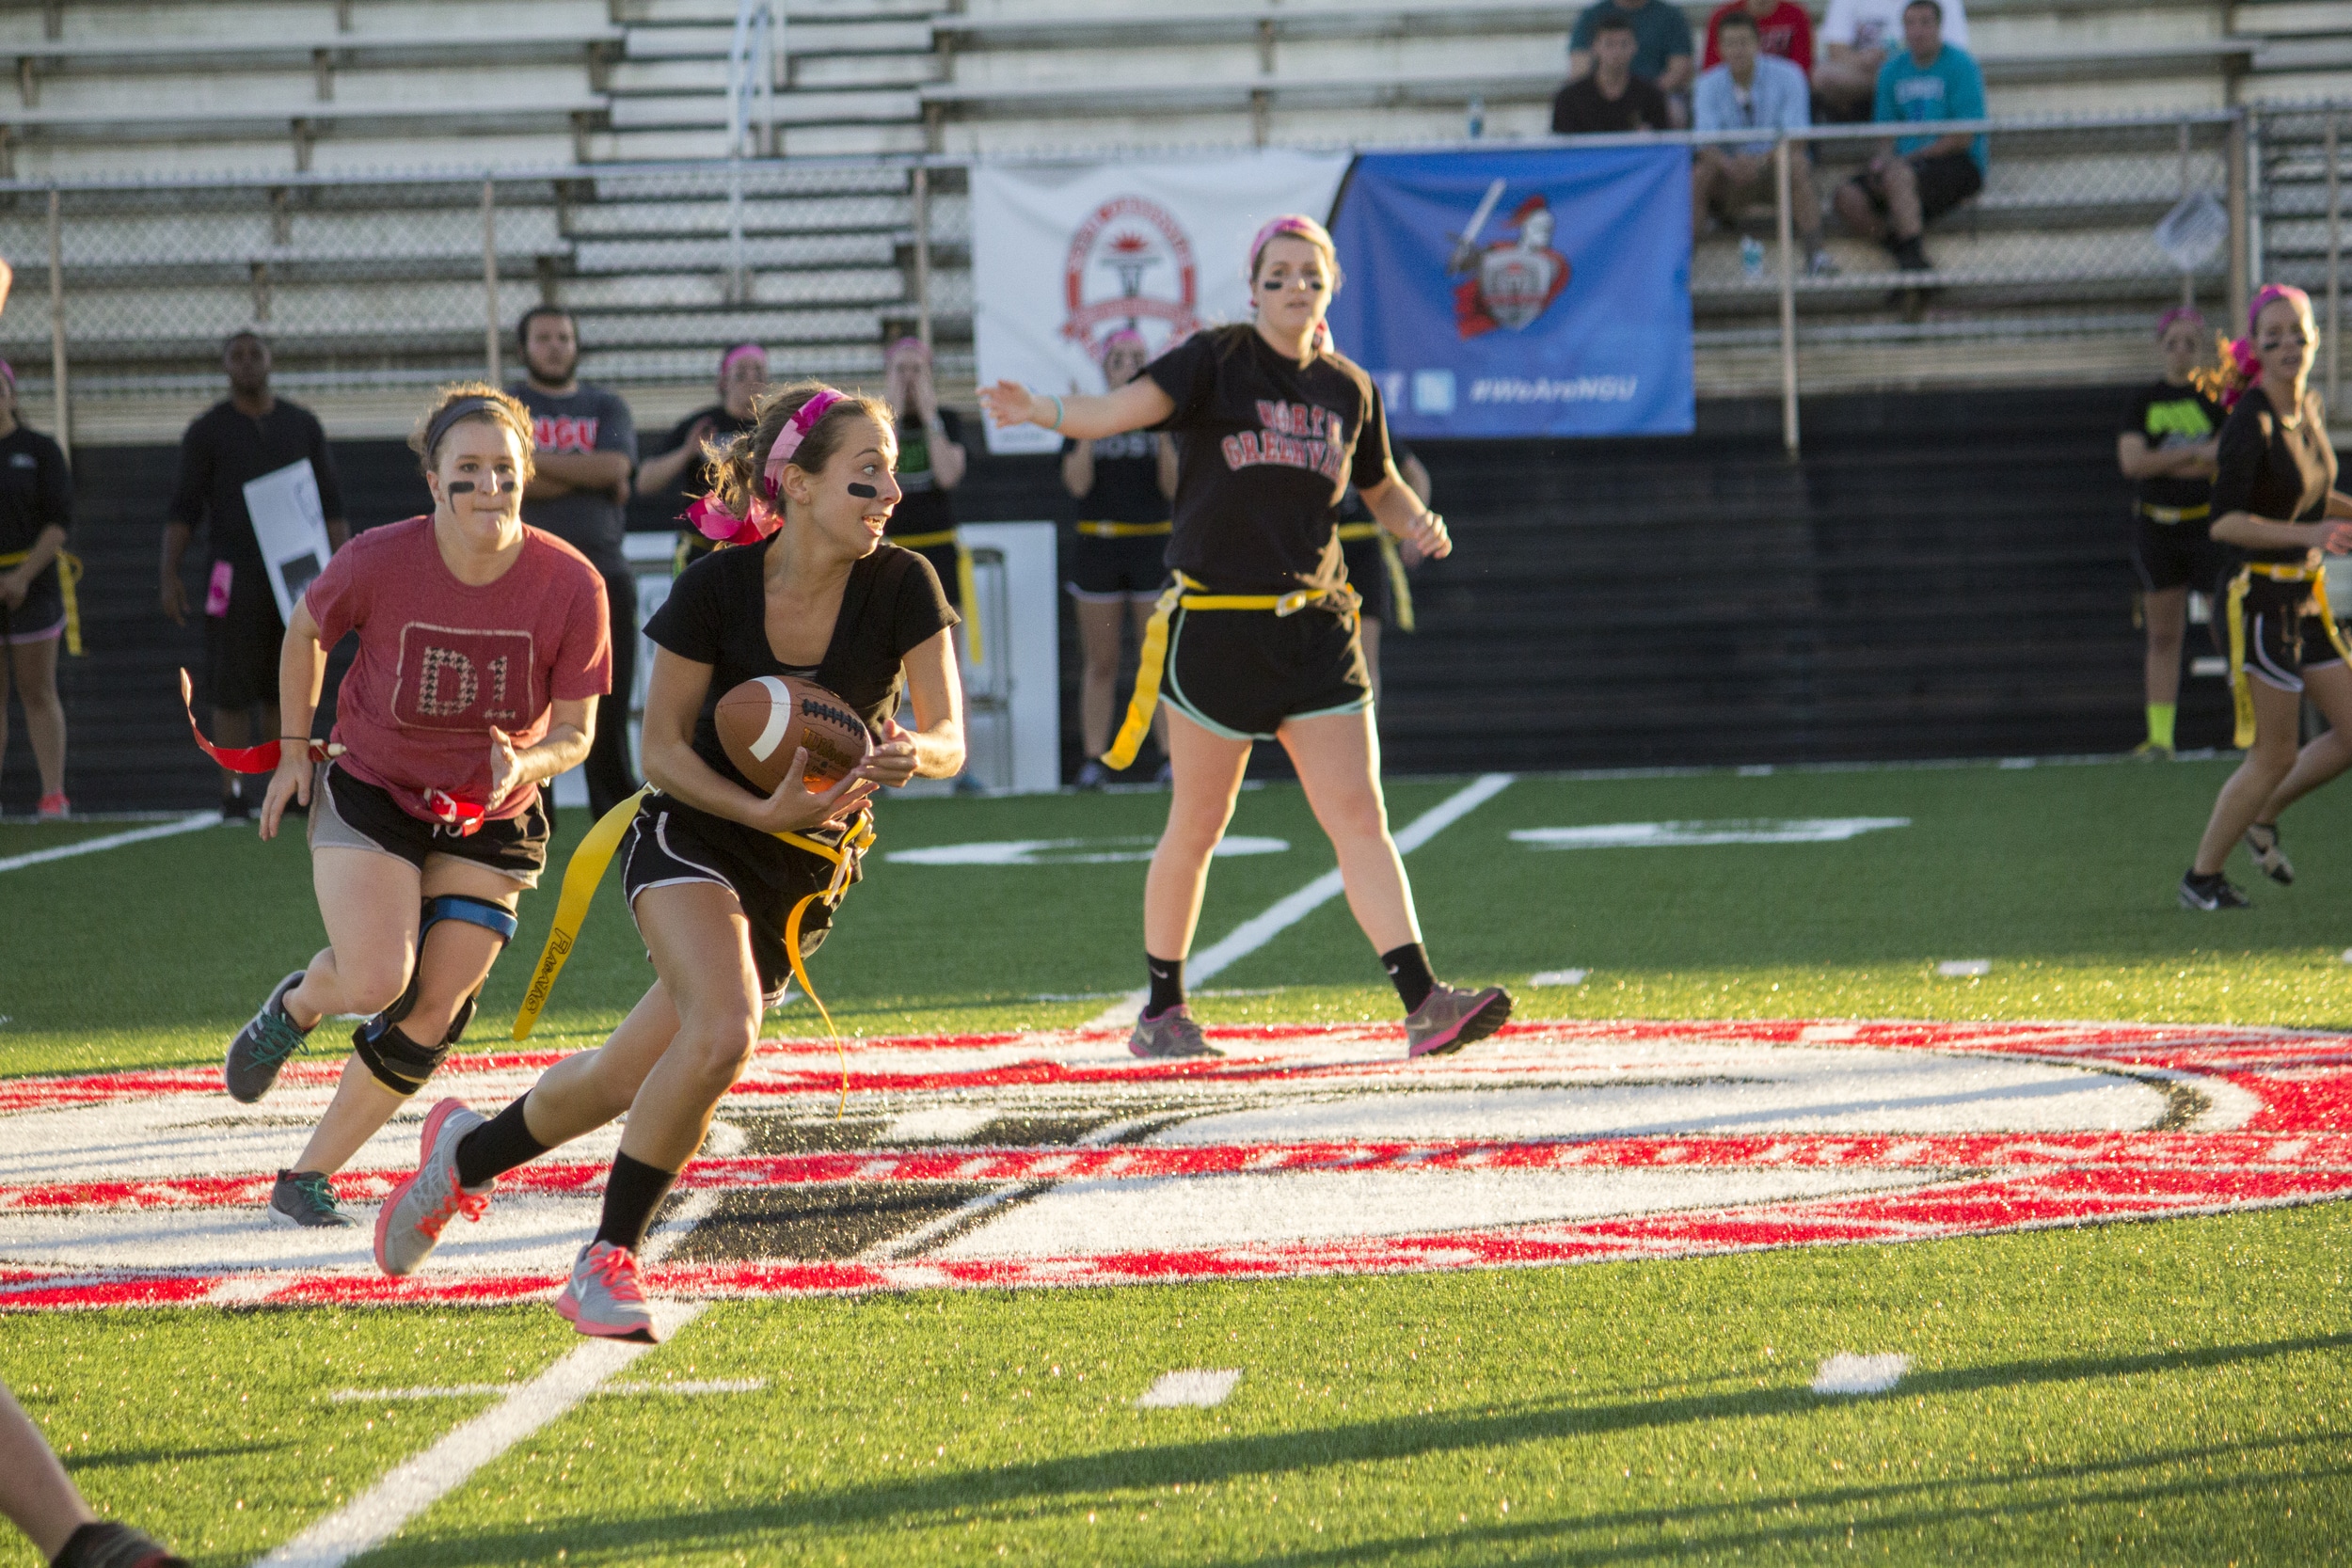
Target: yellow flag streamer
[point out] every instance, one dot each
(68, 574)
(580, 876)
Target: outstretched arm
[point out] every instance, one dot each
(1089, 417)
(1401, 513)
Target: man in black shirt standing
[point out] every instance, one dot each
(250, 433)
(36, 511)
(580, 493)
(1610, 98)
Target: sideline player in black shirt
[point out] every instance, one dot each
(1257, 640)
(36, 515)
(1118, 554)
(665, 472)
(710, 881)
(2166, 447)
(931, 462)
(2275, 498)
(251, 433)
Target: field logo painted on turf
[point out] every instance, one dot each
(1032, 1160)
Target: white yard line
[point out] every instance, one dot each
(378, 1514)
(1258, 929)
(114, 841)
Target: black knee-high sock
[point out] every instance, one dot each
(1168, 984)
(631, 1193)
(497, 1147)
(1409, 967)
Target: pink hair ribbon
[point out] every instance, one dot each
(710, 516)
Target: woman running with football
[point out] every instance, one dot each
(813, 592)
(483, 650)
(1257, 638)
(2274, 498)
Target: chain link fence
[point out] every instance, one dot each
(2082, 230)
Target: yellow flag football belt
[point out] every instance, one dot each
(68, 574)
(586, 869)
(1392, 562)
(1097, 529)
(1185, 593)
(2242, 684)
(2174, 514)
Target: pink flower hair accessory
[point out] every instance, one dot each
(713, 521)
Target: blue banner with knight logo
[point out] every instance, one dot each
(1537, 293)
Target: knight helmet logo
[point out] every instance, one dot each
(1511, 282)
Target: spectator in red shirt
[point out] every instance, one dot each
(1781, 29)
(483, 645)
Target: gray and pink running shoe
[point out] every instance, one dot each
(1171, 1034)
(409, 1225)
(604, 1298)
(1449, 1017)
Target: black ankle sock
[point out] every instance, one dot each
(1409, 967)
(497, 1147)
(1168, 984)
(631, 1193)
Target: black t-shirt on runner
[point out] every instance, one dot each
(1581, 108)
(1265, 448)
(223, 450)
(2273, 472)
(2165, 416)
(925, 508)
(1126, 480)
(716, 614)
(36, 489)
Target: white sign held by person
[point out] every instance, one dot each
(290, 525)
(1064, 255)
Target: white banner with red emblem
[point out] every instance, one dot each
(1065, 255)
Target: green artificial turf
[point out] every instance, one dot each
(2172, 1392)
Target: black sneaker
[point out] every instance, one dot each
(2210, 893)
(107, 1544)
(234, 809)
(1093, 775)
(306, 1198)
(2262, 841)
(263, 1046)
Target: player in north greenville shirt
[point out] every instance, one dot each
(1257, 638)
(2166, 445)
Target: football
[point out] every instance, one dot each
(764, 720)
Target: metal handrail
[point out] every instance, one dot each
(751, 63)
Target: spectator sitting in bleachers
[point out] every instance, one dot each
(1753, 91)
(1661, 54)
(1916, 180)
(1783, 31)
(1856, 39)
(1611, 97)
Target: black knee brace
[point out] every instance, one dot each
(400, 1063)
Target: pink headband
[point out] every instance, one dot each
(740, 350)
(1297, 224)
(2178, 313)
(795, 431)
(710, 516)
(2270, 291)
(7, 372)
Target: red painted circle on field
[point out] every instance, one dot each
(1056, 1159)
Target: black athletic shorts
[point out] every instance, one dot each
(1368, 574)
(2287, 634)
(670, 842)
(2178, 555)
(1945, 182)
(1135, 567)
(352, 813)
(241, 646)
(41, 617)
(1240, 673)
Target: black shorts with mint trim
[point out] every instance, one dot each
(670, 842)
(1239, 674)
(2285, 633)
(348, 813)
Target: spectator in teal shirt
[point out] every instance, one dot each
(1916, 180)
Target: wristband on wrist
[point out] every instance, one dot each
(1059, 410)
(304, 738)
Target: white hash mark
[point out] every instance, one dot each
(1961, 969)
(1847, 1373)
(1558, 977)
(1200, 1387)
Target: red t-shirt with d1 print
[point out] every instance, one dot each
(441, 663)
